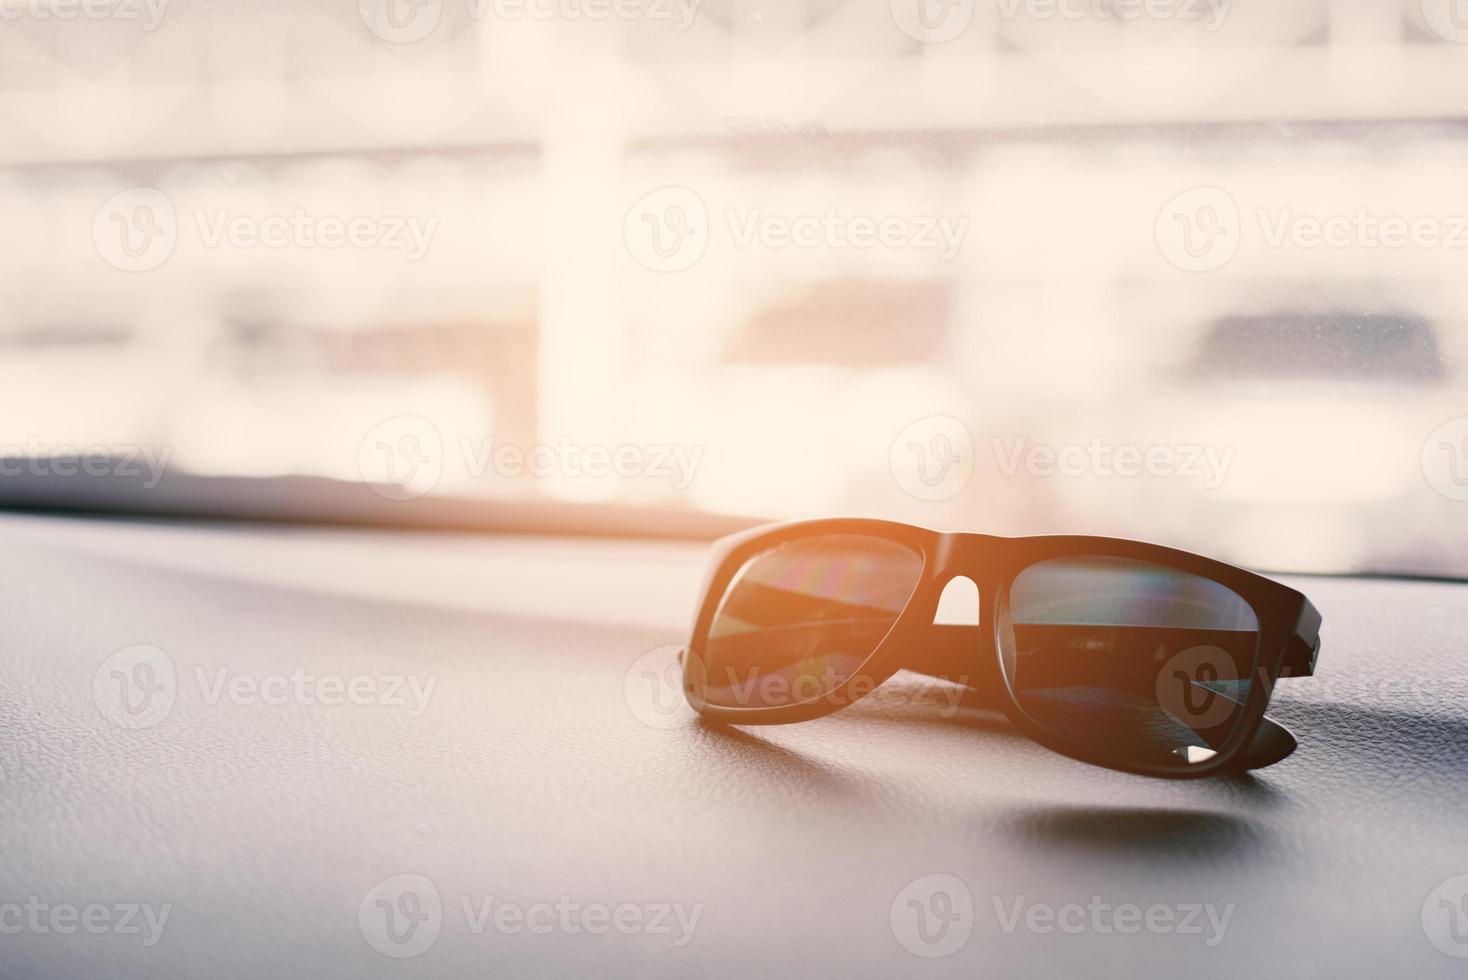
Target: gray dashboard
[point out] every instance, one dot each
(511, 792)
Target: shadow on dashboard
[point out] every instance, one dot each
(776, 763)
(1159, 836)
(1152, 834)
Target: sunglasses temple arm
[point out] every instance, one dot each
(950, 653)
(1271, 742)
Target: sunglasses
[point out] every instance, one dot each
(1118, 653)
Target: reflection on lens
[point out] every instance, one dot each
(1148, 664)
(799, 619)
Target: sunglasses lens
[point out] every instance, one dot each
(1149, 664)
(799, 619)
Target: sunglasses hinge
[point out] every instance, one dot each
(1300, 657)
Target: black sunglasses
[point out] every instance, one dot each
(1119, 653)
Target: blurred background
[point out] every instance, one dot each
(1185, 270)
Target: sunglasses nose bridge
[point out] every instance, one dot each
(962, 554)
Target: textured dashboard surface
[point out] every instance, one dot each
(541, 762)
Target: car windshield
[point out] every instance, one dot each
(1181, 270)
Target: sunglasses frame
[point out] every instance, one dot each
(1289, 626)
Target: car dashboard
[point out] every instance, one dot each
(484, 722)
